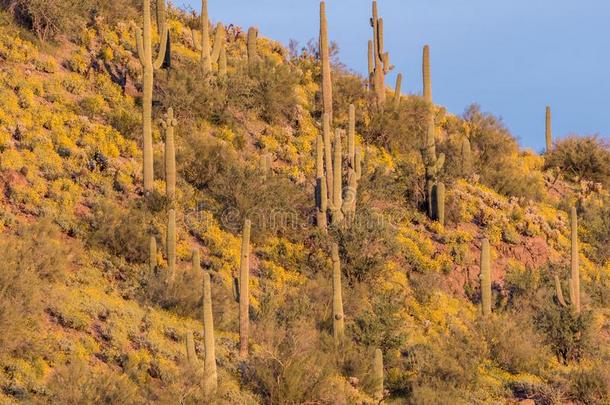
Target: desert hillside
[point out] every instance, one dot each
(204, 216)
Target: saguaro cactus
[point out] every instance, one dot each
(438, 202)
(327, 91)
(321, 192)
(168, 124)
(210, 377)
(338, 317)
(485, 278)
(152, 254)
(432, 163)
(371, 67)
(206, 61)
(328, 156)
(191, 356)
(397, 91)
(548, 131)
(161, 26)
(210, 55)
(252, 46)
(381, 59)
(171, 243)
(466, 152)
(559, 292)
(337, 214)
(378, 375)
(351, 137)
(222, 62)
(574, 262)
(244, 294)
(144, 46)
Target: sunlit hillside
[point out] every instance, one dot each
(205, 216)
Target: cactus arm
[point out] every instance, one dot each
(162, 49)
(196, 43)
(219, 39)
(559, 292)
(140, 46)
(574, 262)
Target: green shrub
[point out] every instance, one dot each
(496, 157)
(591, 385)
(122, 231)
(513, 345)
(567, 333)
(31, 261)
(581, 158)
(79, 383)
(595, 219)
(365, 245)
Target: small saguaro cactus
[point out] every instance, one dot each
(548, 131)
(152, 254)
(191, 357)
(466, 151)
(378, 375)
(397, 91)
(485, 278)
(171, 243)
(251, 44)
(338, 317)
(210, 377)
(222, 62)
(244, 295)
(574, 260)
(168, 124)
(145, 55)
(327, 90)
(351, 137)
(358, 163)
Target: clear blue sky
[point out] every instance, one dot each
(513, 57)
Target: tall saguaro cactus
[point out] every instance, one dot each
(378, 374)
(327, 91)
(548, 131)
(244, 288)
(145, 55)
(168, 124)
(432, 163)
(338, 316)
(485, 277)
(210, 376)
(171, 243)
(574, 261)
(381, 59)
